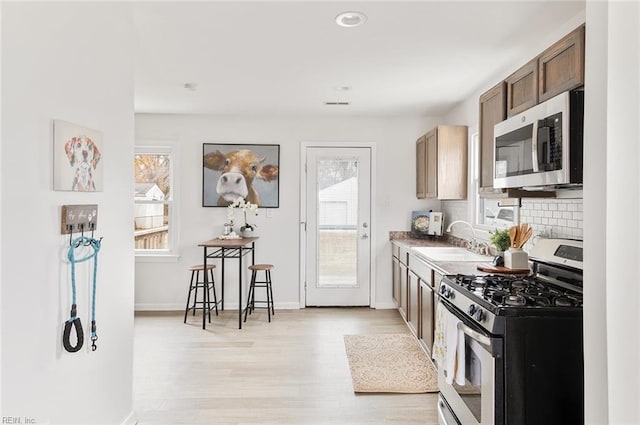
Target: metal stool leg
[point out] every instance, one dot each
(266, 289)
(273, 310)
(249, 295)
(213, 286)
(186, 310)
(206, 299)
(195, 289)
(254, 278)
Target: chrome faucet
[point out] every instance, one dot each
(472, 242)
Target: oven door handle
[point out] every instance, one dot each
(475, 335)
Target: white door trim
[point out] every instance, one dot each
(303, 212)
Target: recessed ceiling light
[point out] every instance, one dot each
(342, 88)
(351, 19)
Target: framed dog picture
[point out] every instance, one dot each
(77, 158)
(232, 171)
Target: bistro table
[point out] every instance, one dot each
(229, 248)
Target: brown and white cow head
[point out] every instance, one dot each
(239, 168)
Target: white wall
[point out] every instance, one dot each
(163, 285)
(70, 61)
(594, 215)
(622, 212)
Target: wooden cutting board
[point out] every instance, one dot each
(490, 268)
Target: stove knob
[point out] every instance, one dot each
(443, 289)
(450, 294)
(479, 316)
(472, 309)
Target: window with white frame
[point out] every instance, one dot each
(489, 213)
(154, 198)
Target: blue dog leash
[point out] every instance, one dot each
(74, 320)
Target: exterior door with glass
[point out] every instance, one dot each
(338, 209)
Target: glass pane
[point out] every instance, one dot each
(337, 222)
(153, 169)
(491, 214)
(513, 153)
(152, 193)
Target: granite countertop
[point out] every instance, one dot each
(405, 240)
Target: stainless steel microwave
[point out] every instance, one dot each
(542, 146)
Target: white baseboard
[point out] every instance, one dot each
(131, 419)
(159, 307)
(387, 305)
(287, 306)
(227, 306)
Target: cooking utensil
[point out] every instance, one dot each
(513, 233)
(526, 237)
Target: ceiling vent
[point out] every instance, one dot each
(337, 103)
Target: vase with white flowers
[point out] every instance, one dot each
(246, 207)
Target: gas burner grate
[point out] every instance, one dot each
(511, 291)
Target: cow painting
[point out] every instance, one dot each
(240, 171)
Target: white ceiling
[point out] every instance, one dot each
(266, 58)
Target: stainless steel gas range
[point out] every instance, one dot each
(519, 342)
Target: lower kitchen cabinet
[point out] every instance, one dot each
(415, 289)
(427, 316)
(402, 305)
(413, 316)
(395, 277)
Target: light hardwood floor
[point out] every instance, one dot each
(293, 370)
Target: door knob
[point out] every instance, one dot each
(365, 225)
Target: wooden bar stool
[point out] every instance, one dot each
(251, 297)
(196, 283)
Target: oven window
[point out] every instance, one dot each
(471, 391)
(514, 153)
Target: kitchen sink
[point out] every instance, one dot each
(436, 253)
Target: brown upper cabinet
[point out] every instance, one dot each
(522, 88)
(492, 111)
(421, 168)
(431, 161)
(441, 163)
(561, 66)
(557, 69)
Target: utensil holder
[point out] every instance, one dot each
(516, 258)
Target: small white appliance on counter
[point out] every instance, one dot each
(426, 223)
(435, 223)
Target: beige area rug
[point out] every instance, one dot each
(389, 363)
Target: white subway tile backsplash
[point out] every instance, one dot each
(559, 218)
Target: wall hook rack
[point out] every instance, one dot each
(77, 219)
